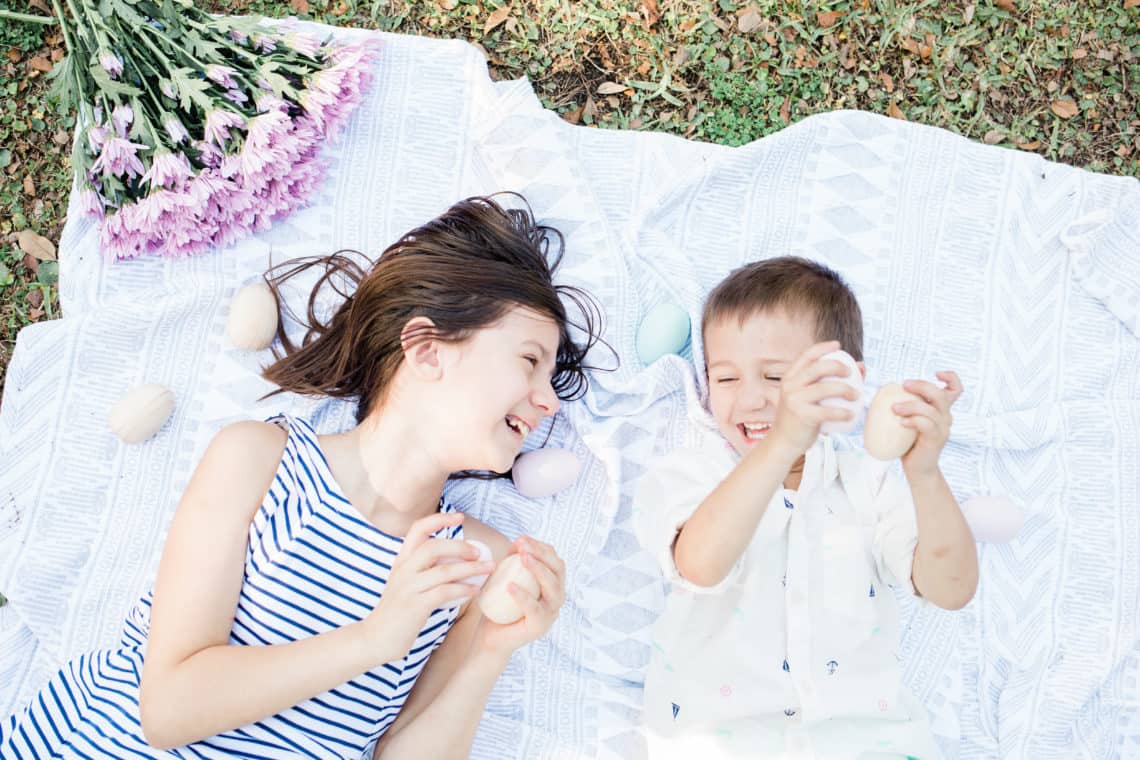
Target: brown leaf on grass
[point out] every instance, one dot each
(827, 18)
(15, 54)
(643, 68)
(895, 112)
(29, 186)
(39, 63)
(651, 12)
(1080, 53)
(496, 18)
(34, 315)
(888, 82)
(681, 57)
(36, 245)
(909, 45)
(786, 111)
(1066, 109)
(1131, 4)
(993, 137)
(575, 116)
(749, 21)
(35, 298)
(1007, 5)
(61, 137)
(1034, 145)
(447, 5)
(610, 88)
(57, 55)
(40, 5)
(299, 6)
(31, 263)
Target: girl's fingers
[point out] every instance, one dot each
(448, 595)
(436, 549)
(545, 553)
(549, 583)
(422, 529)
(452, 572)
(529, 604)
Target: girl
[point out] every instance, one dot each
(306, 580)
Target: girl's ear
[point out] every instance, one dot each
(421, 349)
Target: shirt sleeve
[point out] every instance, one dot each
(896, 528)
(666, 497)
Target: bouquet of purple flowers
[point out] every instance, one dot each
(194, 130)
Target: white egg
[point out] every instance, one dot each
(855, 379)
(496, 601)
(884, 436)
(484, 555)
(545, 472)
(141, 412)
(993, 519)
(664, 330)
(252, 323)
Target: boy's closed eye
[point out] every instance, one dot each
(722, 380)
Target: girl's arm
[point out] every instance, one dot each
(441, 715)
(194, 684)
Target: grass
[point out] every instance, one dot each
(1061, 79)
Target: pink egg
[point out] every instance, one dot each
(545, 472)
(855, 379)
(993, 519)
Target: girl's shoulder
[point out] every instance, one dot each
(478, 530)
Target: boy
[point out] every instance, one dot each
(778, 639)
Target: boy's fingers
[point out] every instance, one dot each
(916, 409)
(929, 392)
(811, 355)
(924, 425)
(816, 392)
(953, 384)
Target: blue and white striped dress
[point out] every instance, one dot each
(313, 564)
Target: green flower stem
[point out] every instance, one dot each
(29, 19)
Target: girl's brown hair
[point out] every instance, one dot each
(463, 270)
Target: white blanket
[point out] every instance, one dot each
(1022, 275)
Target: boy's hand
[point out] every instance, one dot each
(799, 414)
(931, 420)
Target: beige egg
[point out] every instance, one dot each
(141, 412)
(884, 436)
(252, 324)
(496, 601)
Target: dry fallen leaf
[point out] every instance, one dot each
(57, 55)
(299, 6)
(993, 137)
(786, 111)
(610, 88)
(35, 298)
(1034, 145)
(1131, 4)
(575, 116)
(888, 82)
(649, 8)
(895, 112)
(1080, 53)
(61, 137)
(31, 263)
(496, 18)
(909, 45)
(681, 57)
(749, 21)
(643, 68)
(15, 54)
(39, 63)
(1066, 109)
(1007, 5)
(29, 186)
(828, 18)
(36, 245)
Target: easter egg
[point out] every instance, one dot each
(664, 330)
(884, 436)
(855, 379)
(496, 601)
(993, 519)
(545, 472)
(141, 412)
(252, 323)
(484, 555)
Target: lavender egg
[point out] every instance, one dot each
(545, 472)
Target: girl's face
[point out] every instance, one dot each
(494, 389)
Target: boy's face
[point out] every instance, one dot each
(746, 361)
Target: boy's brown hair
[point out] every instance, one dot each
(797, 286)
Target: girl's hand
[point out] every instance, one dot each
(931, 420)
(418, 585)
(538, 614)
(799, 414)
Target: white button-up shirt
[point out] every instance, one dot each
(793, 654)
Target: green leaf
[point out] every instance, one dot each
(5, 157)
(6, 278)
(48, 273)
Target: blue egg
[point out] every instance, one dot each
(664, 330)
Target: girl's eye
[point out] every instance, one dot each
(532, 359)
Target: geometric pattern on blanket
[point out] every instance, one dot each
(1018, 273)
